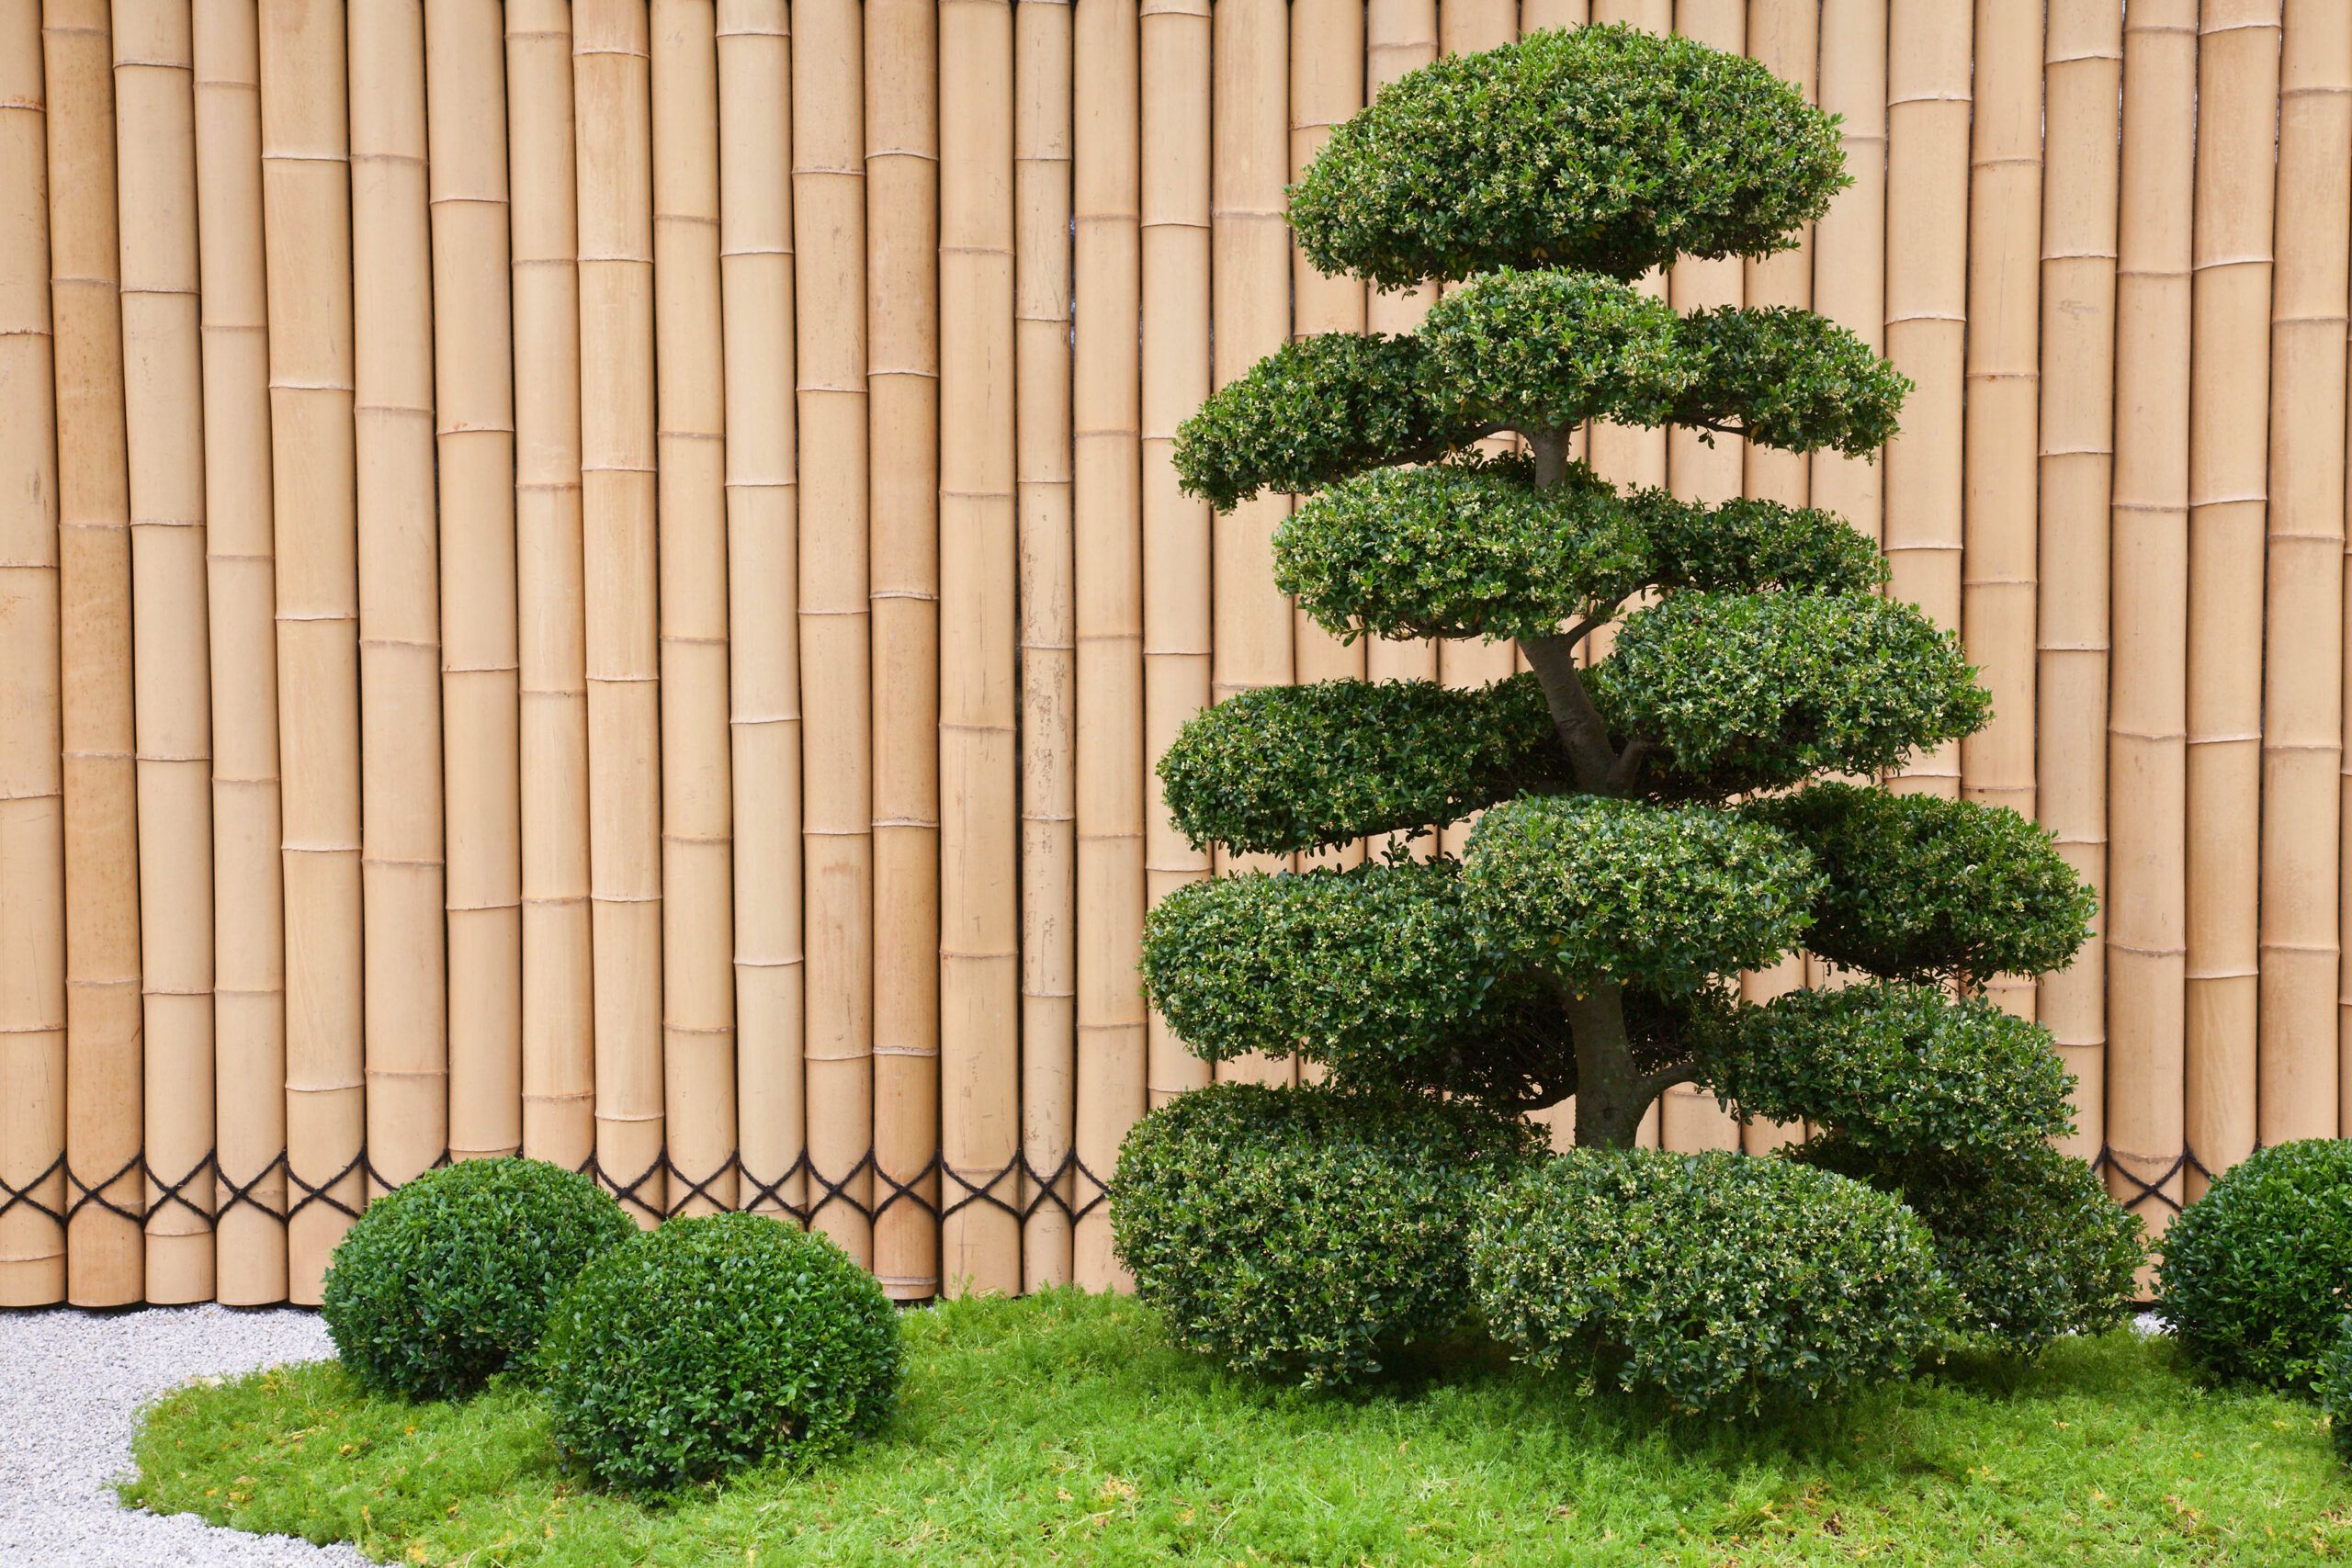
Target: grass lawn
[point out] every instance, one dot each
(1062, 1429)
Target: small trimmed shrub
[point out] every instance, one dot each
(1718, 1280)
(448, 1279)
(2028, 1237)
(2255, 1273)
(714, 1343)
(2336, 1390)
(1306, 1234)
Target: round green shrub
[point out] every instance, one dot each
(2336, 1390)
(1306, 1234)
(2255, 1273)
(2027, 1235)
(1719, 1281)
(714, 1343)
(1605, 148)
(448, 1279)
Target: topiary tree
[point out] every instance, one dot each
(1651, 822)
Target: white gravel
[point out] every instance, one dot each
(71, 1386)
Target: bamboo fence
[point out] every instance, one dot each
(607, 579)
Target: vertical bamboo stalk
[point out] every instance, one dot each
(2237, 96)
(1538, 14)
(2000, 563)
(2147, 696)
(559, 1001)
(163, 405)
(763, 657)
(248, 899)
(306, 203)
(32, 866)
(698, 851)
(1174, 37)
(403, 904)
(104, 1244)
(1249, 637)
(1849, 242)
(1042, 265)
(2083, 80)
(1400, 36)
(2302, 717)
(611, 94)
(1327, 86)
(1106, 482)
(978, 695)
(465, 82)
(902, 554)
(1927, 90)
(828, 279)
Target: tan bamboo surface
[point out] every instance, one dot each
(979, 698)
(403, 904)
(1106, 500)
(1928, 149)
(902, 284)
(1535, 15)
(2000, 565)
(1400, 36)
(612, 93)
(104, 1244)
(306, 203)
(1327, 86)
(829, 360)
(762, 581)
(1250, 308)
(1174, 226)
(249, 967)
(2148, 690)
(2237, 118)
(697, 851)
(163, 404)
(2300, 1082)
(2081, 85)
(32, 866)
(1042, 44)
(557, 1069)
(1850, 241)
(465, 84)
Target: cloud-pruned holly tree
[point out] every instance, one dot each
(1652, 821)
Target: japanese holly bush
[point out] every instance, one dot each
(1651, 822)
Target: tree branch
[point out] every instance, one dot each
(1577, 722)
(1657, 1083)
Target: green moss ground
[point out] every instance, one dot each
(1062, 1429)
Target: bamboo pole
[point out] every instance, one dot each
(902, 426)
(1042, 267)
(558, 1002)
(465, 81)
(1927, 90)
(2082, 83)
(828, 279)
(611, 94)
(2000, 562)
(1400, 36)
(763, 669)
(2146, 943)
(306, 202)
(1250, 312)
(1106, 479)
(1850, 241)
(32, 869)
(104, 1244)
(402, 902)
(1538, 14)
(2237, 118)
(1174, 43)
(1327, 86)
(697, 851)
(2303, 717)
(163, 405)
(978, 696)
